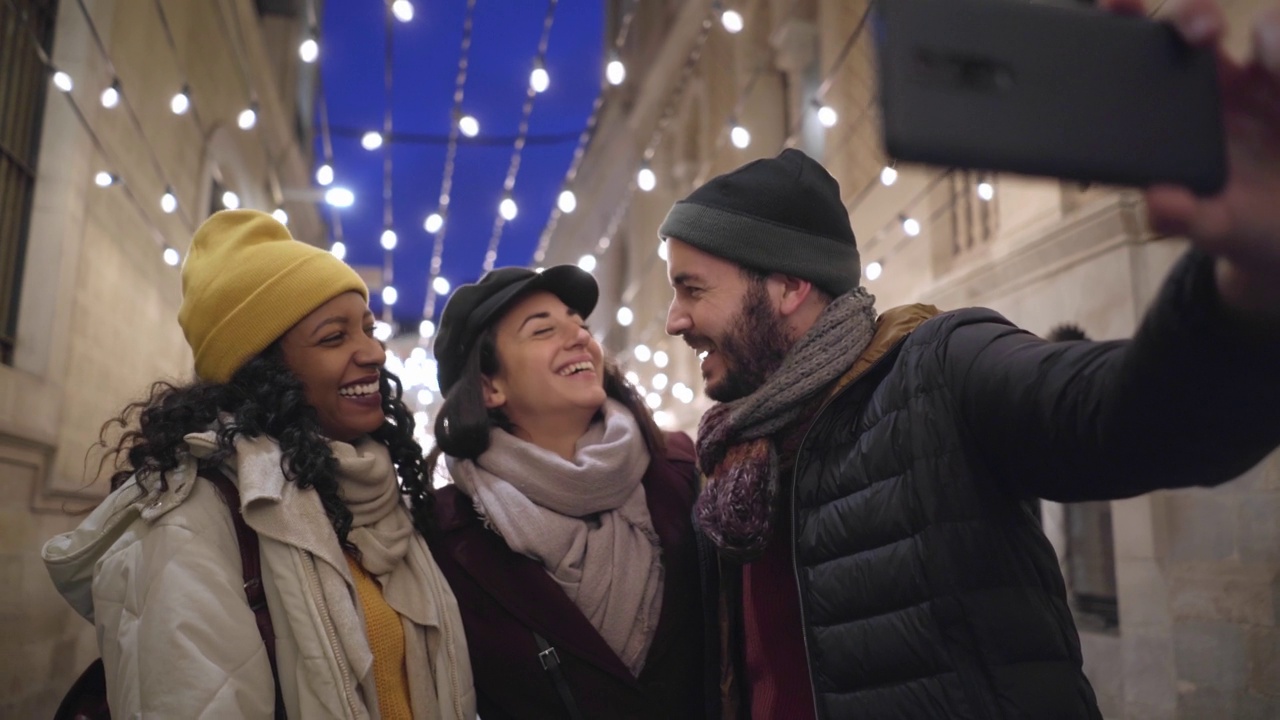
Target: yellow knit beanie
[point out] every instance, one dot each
(245, 282)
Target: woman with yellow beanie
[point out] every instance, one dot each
(291, 404)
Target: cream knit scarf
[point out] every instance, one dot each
(586, 520)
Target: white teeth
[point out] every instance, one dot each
(577, 367)
(359, 390)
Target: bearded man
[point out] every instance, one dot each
(870, 478)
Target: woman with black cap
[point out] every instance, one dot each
(293, 423)
(566, 533)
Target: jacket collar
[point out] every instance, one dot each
(892, 327)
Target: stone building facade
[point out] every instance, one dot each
(94, 319)
(1192, 629)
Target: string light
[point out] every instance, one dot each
(507, 208)
(645, 179)
(539, 79)
(911, 226)
(309, 50)
(888, 175)
(567, 202)
(740, 137)
(426, 328)
(403, 10)
(181, 102)
(104, 179)
(62, 81)
(587, 263)
(111, 96)
(827, 116)
(615, 72)
(433, 223)
(389, 239)
(659, 381)
(469, 126)
(986, 190)
(381, 330)
(440, 285)
(339, 197)
(371, 140)
(732, 21)
(625, 316)
(230, 200)
(324, 175)
(642, 353)
(339, 250)
(389, 295)
(281, 216)
(248, 117)
(632, 377)
(873, 270)
(168, 201)
(171, 257)
(653, 400)
(660, 359)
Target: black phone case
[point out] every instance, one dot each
(1052, 91)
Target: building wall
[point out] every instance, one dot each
(1198, 571)
(98, 309)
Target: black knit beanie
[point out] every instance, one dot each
(780, 214)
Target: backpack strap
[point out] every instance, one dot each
(550, 660)
(251, 561)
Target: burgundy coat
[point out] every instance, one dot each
(505, 597)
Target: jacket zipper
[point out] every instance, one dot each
(318, 593)
(795, 477)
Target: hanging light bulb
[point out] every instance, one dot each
(440, 285)
(732, 21)
(324, 175)
(309, 50)
(104, 179)
(615, 72)
(469, 126)
(986, 190)
(625, 316)
(433, 223)
(171, 257)
(230, 200)
(567, 202)
(587, 263)
(827, 116)
(168, 201)
(507, 208)
(632, 377)
(181, 102)
(911, 226)
(403, 10)
(339, 250)
(62, 81)
(381, 331)
(645, 179)
(248, 117)
(111, 96)
(660, 359)
(281, 216)
(642, 353)
(659, 381)
(888, 175)
(426, 328)
(539, 79)
(653, 400)
(339, 197)
(873, 270)
(390, 295)
(371, 140)
(389, 239)
(740, 136)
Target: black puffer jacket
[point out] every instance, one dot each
(927, 588)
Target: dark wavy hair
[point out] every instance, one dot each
(263, 398)
(463, 422)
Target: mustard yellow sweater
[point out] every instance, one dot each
(386, 639)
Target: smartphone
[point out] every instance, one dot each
(1078, 94)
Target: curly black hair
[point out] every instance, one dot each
(263, 398)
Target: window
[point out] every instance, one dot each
(26, 31)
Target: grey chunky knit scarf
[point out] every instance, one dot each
(736, 445)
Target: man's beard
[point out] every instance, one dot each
(753, 349)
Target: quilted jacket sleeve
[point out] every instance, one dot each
(178, 638)
(1189, 400)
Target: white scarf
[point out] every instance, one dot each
(586, 521)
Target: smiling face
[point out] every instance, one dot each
(333, 352)
(728, 318)
(549, 365)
